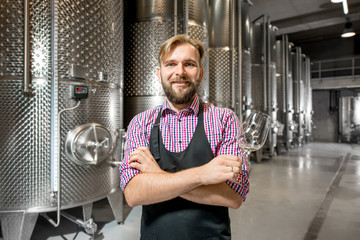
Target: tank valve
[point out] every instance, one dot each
(89, 226)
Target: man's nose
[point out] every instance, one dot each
(180, 70)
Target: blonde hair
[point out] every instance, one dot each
(174, 41)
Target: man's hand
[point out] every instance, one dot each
(142, 160)
(155, 185)
(220, 169)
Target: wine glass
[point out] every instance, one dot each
(253, 135)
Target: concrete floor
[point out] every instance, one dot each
(311, 192)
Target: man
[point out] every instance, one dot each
(182, 157)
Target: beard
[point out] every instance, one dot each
(184, 94)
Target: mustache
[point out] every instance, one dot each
(180, 80)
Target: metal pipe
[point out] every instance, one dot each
(248, 2)
(26, 77)
(256, 19)
(240, 30)
(232, 55)
(89, 226)
(265, 28)
(268, 74)
(59, 172)
(175, 17)
(284, 69)
(298, 73)
(54, 145)
(186, 18)
(119, 133)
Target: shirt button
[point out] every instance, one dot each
(180, 142)
(179, 120)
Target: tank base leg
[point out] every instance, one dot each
(278, 148)
(258, 155)
(18, 226)
(116, 200)
(87, 211)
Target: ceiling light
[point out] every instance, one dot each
(345, 7)
(348, 31)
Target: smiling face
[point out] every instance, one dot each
(180, 74)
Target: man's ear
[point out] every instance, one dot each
(201, 74)
(158, 74)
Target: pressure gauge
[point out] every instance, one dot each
(88, 144)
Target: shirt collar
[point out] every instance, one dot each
(192, 108)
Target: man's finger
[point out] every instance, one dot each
(233, 163)
(135, 165)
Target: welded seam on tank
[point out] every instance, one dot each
(318, 220)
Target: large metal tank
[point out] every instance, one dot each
(147, 25)
(272, 107)
(284, 93)
(246, 101)
(229, 51)
(308, 103)
(263, 74)
(55, 150)
(290, 124)
(281, 79)
(223, 52)
(298, 96)
(349, 119)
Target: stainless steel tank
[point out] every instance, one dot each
(223, 54)
(349, 119)
(280, 79)
(272, 107)
(290, 124)
(284, 93)
(147, 25)
(308, 103)
(246, 101)
(298, 94)
(229, 51)
(55, 150)
(263, 74)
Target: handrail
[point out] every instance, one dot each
(350, 67)
(337, 59)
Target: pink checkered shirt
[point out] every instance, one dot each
(221, 128)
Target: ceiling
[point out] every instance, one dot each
(307, 20)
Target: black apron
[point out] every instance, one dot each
(179, 219)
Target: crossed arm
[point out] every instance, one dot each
(204, 184)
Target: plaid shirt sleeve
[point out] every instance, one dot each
(231, 130)
(134, 139)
